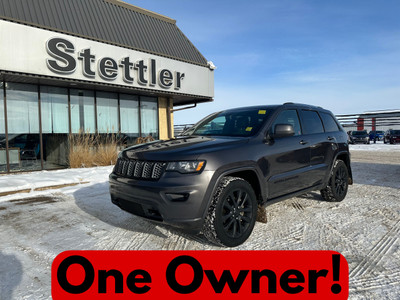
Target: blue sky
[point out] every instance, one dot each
(341, 55)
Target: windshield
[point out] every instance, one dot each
(359, 133)
(395, 131)
(239, 123)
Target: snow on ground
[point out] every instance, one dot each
(379, 146)
(37, 226)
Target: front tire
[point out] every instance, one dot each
(232, 213)
(338, 183)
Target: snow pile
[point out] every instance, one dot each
(34, 180)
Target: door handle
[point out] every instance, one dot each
(303, 142)
(330, 138)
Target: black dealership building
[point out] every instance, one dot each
(92, 66)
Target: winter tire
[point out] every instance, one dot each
(338, 183)
(232, 213)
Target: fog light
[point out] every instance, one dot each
(178, 197)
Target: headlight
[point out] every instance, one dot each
(186, 166)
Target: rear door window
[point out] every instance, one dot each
(311, 122)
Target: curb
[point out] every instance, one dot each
(43, 188)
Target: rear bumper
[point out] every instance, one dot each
(395, 139)
(175, 199)
(362, 140)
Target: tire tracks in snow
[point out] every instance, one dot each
(297, 206)
(128, 239)
(365, 274)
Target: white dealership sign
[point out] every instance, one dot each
(32, 50)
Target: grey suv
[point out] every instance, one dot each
(213, 177)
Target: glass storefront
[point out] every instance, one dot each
(129, 106)
(107, 112)
(40, 120)
(149, 116)
(82, 111)
(3, 154)
(23, 127)
(55, 126)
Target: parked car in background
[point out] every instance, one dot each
(376, 135)
(392, 136)
(359, 136)
(28, 145)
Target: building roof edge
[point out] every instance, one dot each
(142, 10)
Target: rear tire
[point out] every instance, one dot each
(232, 213)
(338, 183)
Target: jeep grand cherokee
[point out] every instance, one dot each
(213, 177)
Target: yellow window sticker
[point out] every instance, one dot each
(249, 128)
(262, 112)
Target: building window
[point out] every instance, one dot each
(23, 126)
(82, 111)
(129, 112)
(107, 112)
(55, 126)
(149, 116)
(3, 154)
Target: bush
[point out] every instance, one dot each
(91, 150)
(107, 151)
(81, 150)
(142, 140)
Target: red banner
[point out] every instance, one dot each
(200, 274)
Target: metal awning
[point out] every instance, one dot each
(109, 21)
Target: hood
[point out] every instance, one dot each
(181, 148)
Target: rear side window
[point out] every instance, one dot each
(329, 123)
(311, 122)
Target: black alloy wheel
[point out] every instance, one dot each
(338, 183)
(237, 213)
(232, 212)
(341, 181)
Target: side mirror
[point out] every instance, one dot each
(283, 130)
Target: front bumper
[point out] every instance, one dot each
(175, 199)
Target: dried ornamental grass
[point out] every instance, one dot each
(91, 150)
(81, 150)
(107, 151)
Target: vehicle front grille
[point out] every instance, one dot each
(139, 169)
